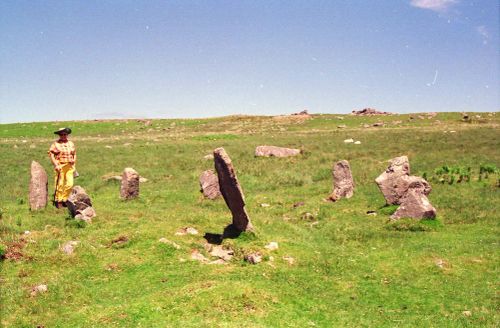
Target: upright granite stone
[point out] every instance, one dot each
(414, 204)
(209, 184)
(268, 151)
(343, 183)
(389, 182)
(231, 190)
(38, 187)
(395, 180)
(80, 205)
(130, 184)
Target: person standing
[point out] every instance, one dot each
(63, 156)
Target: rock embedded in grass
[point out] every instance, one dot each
(38, 187)
(39, 289)
(273, 151)
(253, 258)
(80, 205)
(416, 205)
(343, 183)
(231, 190)
(130, 184)
(209, 184)
(69, 247)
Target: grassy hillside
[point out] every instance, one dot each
(349, 268)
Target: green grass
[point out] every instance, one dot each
(351, 269)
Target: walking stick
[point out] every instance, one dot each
(55, 189)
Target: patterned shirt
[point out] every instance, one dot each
(64, 152)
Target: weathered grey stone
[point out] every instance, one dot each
(389, 182)
(130, 184)
(38, 187)
(343, 183)
(78, 200)
(231, 190)
(268, 151)
(209, 184)
(396, 180)
(414, 205)
(69, 247)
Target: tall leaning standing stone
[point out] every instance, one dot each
(231, 190)
(130, 184)
(38, 187)
(343, 183)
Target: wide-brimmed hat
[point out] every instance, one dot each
(63, 130)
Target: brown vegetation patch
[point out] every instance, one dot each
(14, 250)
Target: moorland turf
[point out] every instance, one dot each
(350, 269)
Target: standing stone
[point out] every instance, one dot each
(130, 184)
(38, 187)
(209, 184)
(395, 181)
(268, 151)
(343, 184)
(414, 205)
(231, 190)
(388, 182)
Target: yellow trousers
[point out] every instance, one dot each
(64, 182)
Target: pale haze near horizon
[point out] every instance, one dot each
(75, 60)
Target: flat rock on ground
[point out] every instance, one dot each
(268, 151)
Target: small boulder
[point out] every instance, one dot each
(80, 205)
(414, 205)
(253, 258)
(40, 289)
(69, 247)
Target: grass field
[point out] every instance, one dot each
(350, 269)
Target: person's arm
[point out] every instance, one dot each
(54, 161)
(52, 154)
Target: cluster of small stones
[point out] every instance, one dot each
(368, 112)
(80, 205)
(401, 188)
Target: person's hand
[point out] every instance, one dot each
(57, 168)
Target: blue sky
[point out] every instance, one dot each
(72, 60)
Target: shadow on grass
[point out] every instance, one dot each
(216, 238)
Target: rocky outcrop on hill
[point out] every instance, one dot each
(369, 112)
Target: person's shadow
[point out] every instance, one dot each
(216, 238)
